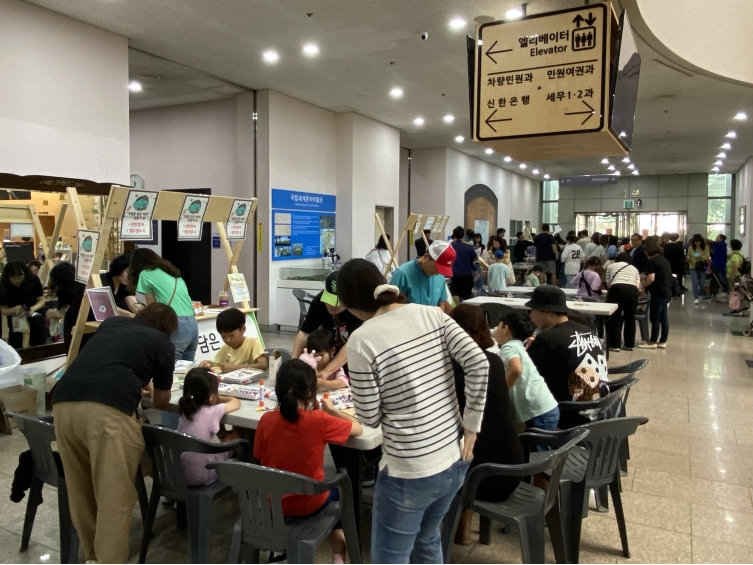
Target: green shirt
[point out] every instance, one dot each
(161, 285)
(530, 395)
(532, 280)
(738, 258)
(417, 286)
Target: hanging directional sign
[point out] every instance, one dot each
(541, 75)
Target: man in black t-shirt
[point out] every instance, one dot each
(659, 283)
(519, 251)
(98, 429)
(568, 355)
(326, 312)
(546, 252)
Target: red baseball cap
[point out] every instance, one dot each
(444, 256)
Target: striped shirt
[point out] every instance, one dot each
(623, 273)
(401, 377)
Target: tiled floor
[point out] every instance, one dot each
(688, 496)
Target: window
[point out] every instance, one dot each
(719, 213)
(550, 194)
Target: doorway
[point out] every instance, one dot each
(623, 224)
(387, 216)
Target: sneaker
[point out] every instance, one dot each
(696, 301)
(368, 478)
(627, 348)
(614, 349)
(662, 345)
(648, 345)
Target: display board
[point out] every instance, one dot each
(303, 224)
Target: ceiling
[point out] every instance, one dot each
(209, 50)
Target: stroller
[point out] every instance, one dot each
(739, 300)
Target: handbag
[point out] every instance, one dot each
(700, 265)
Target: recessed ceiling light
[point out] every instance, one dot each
(459, 139)
(449, 118)
(631, 167)
(523, 166)
(610, 167)
(626, 159)
(418, 122)
(617, 173)
(741, 116)
(623, 134)
(546, 176)
(396, 92)
(731, 134)
(605, 161)
(722, 155)
(489, 151)
(271, 56)
(311, 50)
(635, 173)
(508, 159)
(513, 14)
(535, 171)
(726, 145)
(134, 86)
(718, 163)
(457, 23)
(715, 169)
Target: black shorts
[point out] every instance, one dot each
(462, 286)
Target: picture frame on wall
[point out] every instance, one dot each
(742, 219)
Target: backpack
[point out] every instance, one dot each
(744, 265)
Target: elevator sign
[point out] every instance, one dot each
(541, 75)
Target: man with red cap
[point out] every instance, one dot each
(422, 280)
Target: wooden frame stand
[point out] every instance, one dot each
(415, 224)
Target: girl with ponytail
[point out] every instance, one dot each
(293, 438)
(201, 409)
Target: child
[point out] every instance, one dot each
(534, 277)
(532, 401)
(588, 281)
(239, 351)
(201, 409)
(293, 437)
(321, 344)
(499, 272)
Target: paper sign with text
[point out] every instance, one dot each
(87, 248)
(236, 222)
(136, 222)
(238, 287)
(191, 221)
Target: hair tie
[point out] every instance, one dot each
(385, 288)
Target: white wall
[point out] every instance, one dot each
(199, 146)
(744, 197)
(404, 207)
(63, 96)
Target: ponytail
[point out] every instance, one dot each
(296, 383)
(361, 286)
(198, 388)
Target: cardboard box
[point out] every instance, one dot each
(18, 399)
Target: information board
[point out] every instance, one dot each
(541, 75)
(303, 224)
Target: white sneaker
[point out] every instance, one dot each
(647, 345)
(696, 301)
(614, 349)
(662, 345)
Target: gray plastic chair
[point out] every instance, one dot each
(642, 315)
(262, 526)
(528, 507)
(494, 312)
(164, 447)
(304, 301)
(40, 433)
(594, 467)
(611, 405)
(631, 369)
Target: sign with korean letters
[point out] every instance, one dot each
(136, 222)
(191, 220)
(87, 249)
(236, 222)
(541, 75)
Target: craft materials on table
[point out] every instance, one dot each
(242, 376)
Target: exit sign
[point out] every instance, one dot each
(628, 204)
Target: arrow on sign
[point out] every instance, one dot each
(590, 113)
(590, 20)
(489, 120)
(578, 20)
(489, 52)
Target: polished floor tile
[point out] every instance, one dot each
(722, 525)
(706, 550)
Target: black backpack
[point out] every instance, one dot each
(745, 267)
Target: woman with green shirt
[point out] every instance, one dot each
(159, 281)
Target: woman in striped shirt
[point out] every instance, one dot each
(401, 377)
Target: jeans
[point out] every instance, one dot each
(186, 338)
(699, 282)
(547, 421)
(722, 276)
(626, 298)
(658, 315)
(407, 514)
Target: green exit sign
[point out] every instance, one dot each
(628, 204)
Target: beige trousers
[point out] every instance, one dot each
(101, 449)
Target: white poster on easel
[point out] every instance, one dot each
(238, 287)
(191, 220)
(236, 221)
(87, 249)
(136, 222)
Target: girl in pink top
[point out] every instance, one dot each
(588, 281)
(201, 409)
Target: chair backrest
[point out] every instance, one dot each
(40, 433)
(604, 441)
(569, 439)
(303, 300)
(260, 491)
(494, 312)
(608, 406)
(631, 368)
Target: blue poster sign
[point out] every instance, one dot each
(303, 224)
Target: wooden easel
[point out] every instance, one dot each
(25, 214)
(167, 207)
(415, 223)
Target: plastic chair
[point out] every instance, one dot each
(164, 447)
(304, 301)
(262, 526)
(494, 312)
(40, 433)
(593, 468)
(609, 406)
(642, 315)
(631, 369)
(528, 507)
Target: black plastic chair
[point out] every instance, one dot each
(528, 507)
(611, 405)
(594, 467)
(262, 526)
(642, 315)
(631, 369)
(494, 312)
(164, 447)
(304, 301)
(40, 433)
